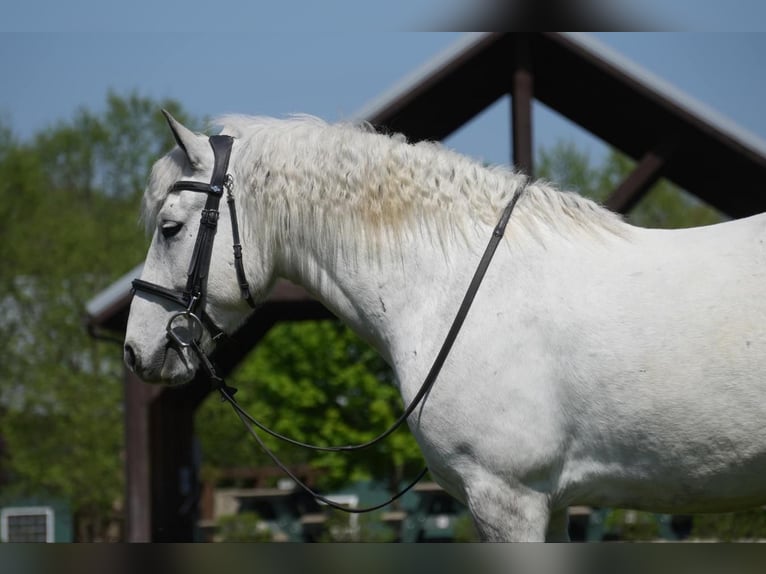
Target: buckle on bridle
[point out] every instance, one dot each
(209, 217)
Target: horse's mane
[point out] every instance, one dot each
(339, 181)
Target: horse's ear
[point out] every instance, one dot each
(195, 146)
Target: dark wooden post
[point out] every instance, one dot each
(175, 463)
(138, 516)
(522, 90)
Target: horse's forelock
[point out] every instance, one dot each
(165, 171)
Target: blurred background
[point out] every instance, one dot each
(79, 129)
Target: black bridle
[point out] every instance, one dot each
(185, 329)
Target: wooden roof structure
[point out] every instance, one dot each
(668, 133)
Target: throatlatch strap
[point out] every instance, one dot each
(238, 263)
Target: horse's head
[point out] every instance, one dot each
(192, 287)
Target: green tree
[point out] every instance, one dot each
(569, 168)
(69, 201)
(318, 383)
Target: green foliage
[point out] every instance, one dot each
(69, 201)
(465, 529)
(569, 168)
(243, 527)
(749, 525)
(315, 382)
(667, 206)
(632, 525)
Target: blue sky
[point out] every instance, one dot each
(333, 72)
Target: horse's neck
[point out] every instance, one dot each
(386, 235)
(398, 300)
(358, 221)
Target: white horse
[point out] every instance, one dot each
(601, 364)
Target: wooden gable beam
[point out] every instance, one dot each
(643, 177)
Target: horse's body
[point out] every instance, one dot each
(601, 364)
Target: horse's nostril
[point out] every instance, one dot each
(130, 357)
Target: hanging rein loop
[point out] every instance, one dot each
(237, 246)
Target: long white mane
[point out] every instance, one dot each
(347, 185)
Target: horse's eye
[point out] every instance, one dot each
(170, 228)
